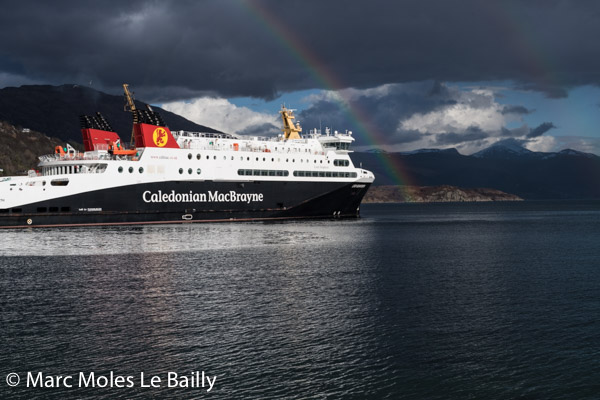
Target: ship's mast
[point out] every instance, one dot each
(130, 106)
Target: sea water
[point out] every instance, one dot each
(430, 301)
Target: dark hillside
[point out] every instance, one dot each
(55, 110)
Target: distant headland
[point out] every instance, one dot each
(434, 194)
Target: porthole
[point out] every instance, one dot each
(215, 157)
(198, 157)
(207, 157)
(189, 156)
(120, 170)
(141, 169)
(181, 170)
(131, 170)
(190, 171)
(198, 171)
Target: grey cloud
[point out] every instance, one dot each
(261, 130)
(379, 115)
(472, 134)
(520, 131)
(540, 129)
(551, 90)
(521, 110)
(228, 48)
(382, 112)
(400, 102)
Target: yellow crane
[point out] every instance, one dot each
(130, 106)
(289, 130)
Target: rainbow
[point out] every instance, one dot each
(327, 79)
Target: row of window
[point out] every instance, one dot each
(262, 172)
(326, 174)
(235, 147)
(198, 157)
(317, 174)
(140, 170)
(190, 171)
(341, 163)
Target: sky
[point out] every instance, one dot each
(401, 75)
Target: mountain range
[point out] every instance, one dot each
(507, 165)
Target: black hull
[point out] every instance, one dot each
(155, 203)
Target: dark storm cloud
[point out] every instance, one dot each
(540, 130)
(177, 49)
(407, 137)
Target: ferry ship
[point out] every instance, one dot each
(165, 176)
